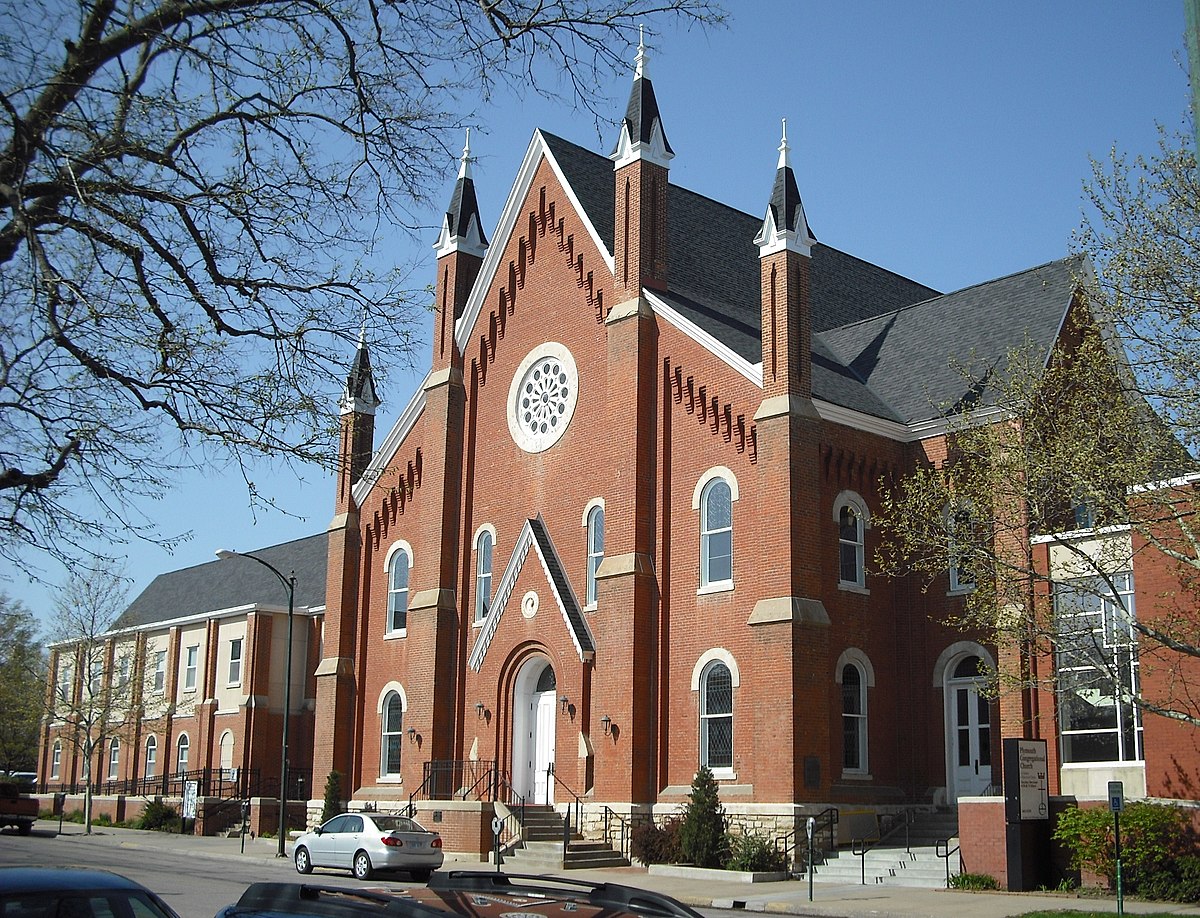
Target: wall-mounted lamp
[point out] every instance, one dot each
(479, 709)
(565, 702)
(412, 734)
(606, 724)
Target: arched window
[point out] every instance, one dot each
(56, 760)
(391, 732)
(151, 757)
(852, 518)
(114, 759)
(716, 534)
(398, 570)
(181, 754)
(595, 551)
(483, 574)
(854, 720)
(716, 717)
(226, 749)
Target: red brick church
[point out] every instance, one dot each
(621, 530)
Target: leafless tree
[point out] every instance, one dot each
(198, 204)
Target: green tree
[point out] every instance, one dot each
(1077, 454)
(195, 200)
(703, 833)
(333, 796)
(22, 686)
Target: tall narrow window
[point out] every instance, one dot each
(854, 720)
(483, 575)
(716, 534)
(123, 671)
(96, 680)
(235, 661)
(850, 547)
(181, 754)
(114, 759)
(160, 670)
(961, 531)
(716, 717)
(398, 591)
(595, 551)
(191, 665)
(65, 677)
(151, 757)
(391, 734)
(56, 760)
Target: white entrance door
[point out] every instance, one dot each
(969, 736)
(543, 745)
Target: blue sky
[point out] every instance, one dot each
(946, 141)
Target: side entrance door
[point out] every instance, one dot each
(544, 706)
(969, 731)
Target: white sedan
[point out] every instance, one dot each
(366, 842)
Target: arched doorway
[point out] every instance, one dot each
(968, 727)
(534, 704)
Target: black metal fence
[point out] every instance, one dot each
(213, 782)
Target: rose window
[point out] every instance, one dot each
(542, 397)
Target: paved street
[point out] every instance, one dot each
(198, 876)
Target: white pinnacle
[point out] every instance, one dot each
(785, 161)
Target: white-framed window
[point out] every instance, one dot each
(960, 530)
(182, 748)
(123, 671)
(160, 670)
(65, 678)
(391, 735)
(714, 497)
(595, 551)
(96, 678)
(56, 760)
(191, 665)
(1097, 670)
(225, 748)
(235, 661)
(151, 757)
(852, 518)
(114, 759)
(399, 570)
(716, 717)
(485, 540)
(854, 719)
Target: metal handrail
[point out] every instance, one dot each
(859, 847)
(608, 813)
(944, 843)
(825, 821)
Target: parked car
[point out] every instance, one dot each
(76, 891)
(17, 808)
(366, 842)
(460, 893)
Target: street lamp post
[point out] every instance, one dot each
(289, 583)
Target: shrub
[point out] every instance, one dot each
(333, 796)
(976, 881)
(1177, 882)
(654, 844)
(755, 853)
(1153, 839)
(157, 815)
(702, 836)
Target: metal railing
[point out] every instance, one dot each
(944, 851)
(825, 828)
(212, 782)
(612, 822)
(861, 846)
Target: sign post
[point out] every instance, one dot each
(191, 791)
(1116, 803)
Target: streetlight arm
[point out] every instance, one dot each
(289, 583)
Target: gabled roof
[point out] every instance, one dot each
(535, 536)
(237, 582)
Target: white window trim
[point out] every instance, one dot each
(476, 620)
(852, 656)
(114, 760)
(183, 740)
(398, 689)
(723, 473)
(147, 761)
(717, 655)
(398, 545)
(56, 760)
(192, 669)
(241, 646)
(855, 502)
(593, 504)
(956, 588)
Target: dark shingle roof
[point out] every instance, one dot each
(562, 585)
(236, 582)
(882, 344)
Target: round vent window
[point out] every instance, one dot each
(542, 397)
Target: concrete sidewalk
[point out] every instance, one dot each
(786, 897)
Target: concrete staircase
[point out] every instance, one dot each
(891, 864)
(542, 831)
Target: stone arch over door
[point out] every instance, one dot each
(962, 671)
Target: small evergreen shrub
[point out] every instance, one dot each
(756, 854)
(975, 881)
(657, 844)
(333, 797)
(703, 834)
(158, 816)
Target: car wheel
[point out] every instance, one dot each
(362, 866)
(303, 861)
(422, 876)
(25, 828)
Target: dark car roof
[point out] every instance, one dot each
(62, 879)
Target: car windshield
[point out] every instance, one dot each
(396, 824)
(83, 905)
